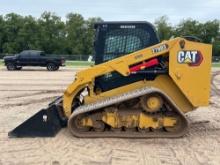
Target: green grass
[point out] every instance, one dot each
(79, 63)
(216, 65)
(1, 63)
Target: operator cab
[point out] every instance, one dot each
(115, 39)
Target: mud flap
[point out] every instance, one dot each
(45, 123)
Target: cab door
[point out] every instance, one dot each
(35, 59)
(23, 59)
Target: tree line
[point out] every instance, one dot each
(207, 32)
(74, 35)
(49, 33)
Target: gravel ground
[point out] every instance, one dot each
(25, 92)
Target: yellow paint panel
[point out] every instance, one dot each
(194, 81)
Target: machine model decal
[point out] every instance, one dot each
(191, 57)
(160, 48)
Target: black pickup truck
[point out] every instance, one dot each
(33, 58)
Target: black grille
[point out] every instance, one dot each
(119, 42)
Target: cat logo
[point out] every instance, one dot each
(191, 57)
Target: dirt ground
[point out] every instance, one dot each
(23, 93)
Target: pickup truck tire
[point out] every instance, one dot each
(11, 66)
(51, 67)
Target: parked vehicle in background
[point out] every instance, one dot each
(33, 58)
(215, 58)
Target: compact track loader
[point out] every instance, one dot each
(139, 87)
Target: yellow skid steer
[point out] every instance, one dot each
(139, 87)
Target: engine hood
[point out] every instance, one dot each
(8, 57)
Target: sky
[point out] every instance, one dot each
(118, 10)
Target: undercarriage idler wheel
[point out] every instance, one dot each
(78, 124)
(99, 126)
(151, 103)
